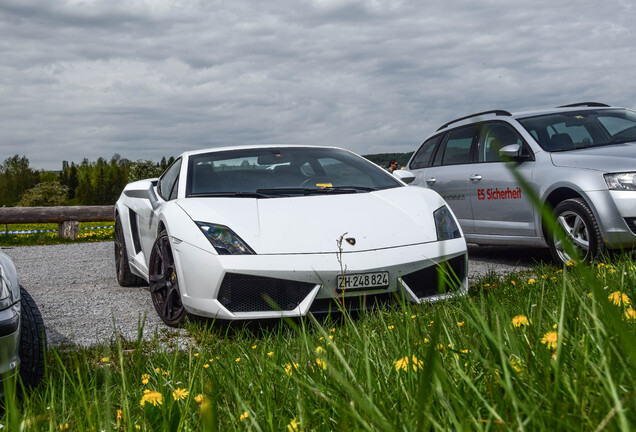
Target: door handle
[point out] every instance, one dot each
(475, 177)
(431, 180)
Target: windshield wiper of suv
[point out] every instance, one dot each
(316, 191)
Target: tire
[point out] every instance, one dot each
(125, 277)
(164, 283)
(32, 348)
(576, 219)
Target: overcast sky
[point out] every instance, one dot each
(146, 79)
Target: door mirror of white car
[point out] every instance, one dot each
(511, 151)
(404, 175)
(143, 189)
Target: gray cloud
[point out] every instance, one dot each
(147, 79)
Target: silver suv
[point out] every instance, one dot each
(579, 159)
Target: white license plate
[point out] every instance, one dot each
(362, 281)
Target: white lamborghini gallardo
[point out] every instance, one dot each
(273, 231)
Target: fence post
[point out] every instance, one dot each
(68, 229)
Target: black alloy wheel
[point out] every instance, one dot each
(164, 283)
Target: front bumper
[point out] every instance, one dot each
(616, 214)
(299, 283)
(9, 340)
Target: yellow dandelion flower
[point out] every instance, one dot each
(426, 340)
(404, 362)
(391, 327)
(513, 283)
(145, 378)
(293, 426)
(619, 298)
(271, 353)
(516, 365)
(196, 354)
(119, 414)
(554, 326)
(331, 337)
(211, 360)
(180, 394)
(238, 359)
(486, 285)
(520, 320)
(290, 367)
(333, 330)
(253, 346)
(319, 349)
(207, 365)
(570, 263)
(105, 359)
(63, 426)
(630, 314)
(199, 398)
(152, 397)
(550, 339)
(413, 316)
(320, 364)
(459, 324)
(244, 416)
(441, 348)
(137, 427)
(531, 282)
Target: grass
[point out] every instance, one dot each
(552, 349)
(87, 233)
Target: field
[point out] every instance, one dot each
(550, 349)
(47, 233)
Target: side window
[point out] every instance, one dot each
(169, 181)
(459, 146)
(495, 136)
(424, 154)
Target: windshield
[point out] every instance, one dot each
(581, 129)
(272, 172)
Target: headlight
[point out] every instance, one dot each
(224, 240)
(445, 224)
(625, 181)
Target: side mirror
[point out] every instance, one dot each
(511, 151)
(404, 175)
(143, 189)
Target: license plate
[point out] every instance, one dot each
(362, 281)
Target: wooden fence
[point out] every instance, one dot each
(67, 218)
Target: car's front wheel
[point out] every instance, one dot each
(578, 226)
(32, 349)
(164, 283)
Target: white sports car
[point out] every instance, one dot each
(279, 231)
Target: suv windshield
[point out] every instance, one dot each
(580, 129)
(273, 172)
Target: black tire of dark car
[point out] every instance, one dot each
(576, 218)
(125, 277)
(164, 283)
(32, 348)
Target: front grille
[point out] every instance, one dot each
(245, 293)
(631, 223)
(439, 279)
(356, 303)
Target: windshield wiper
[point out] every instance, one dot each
(315, 191)
(256, 194)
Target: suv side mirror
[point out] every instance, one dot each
(404, 175)
(512, 151)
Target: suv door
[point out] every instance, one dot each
(499, 206)
(447, 170)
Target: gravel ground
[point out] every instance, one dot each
(76, 290)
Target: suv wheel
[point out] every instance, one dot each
(576, 219)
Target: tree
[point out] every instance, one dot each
(50, 193)
(15, 177)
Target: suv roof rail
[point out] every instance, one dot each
(495, 112)
(585, 104)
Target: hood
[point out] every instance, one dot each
(612, 158)
(313, 224)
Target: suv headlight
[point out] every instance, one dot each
(625, 181)
(224, 240)
(445, 224)
(8, 294)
